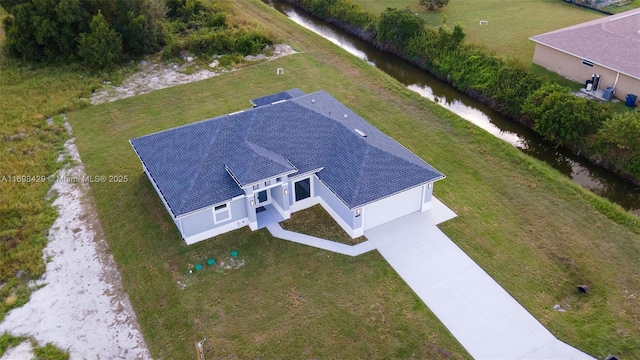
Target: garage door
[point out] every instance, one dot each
(392, 207)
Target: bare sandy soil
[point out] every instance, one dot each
(155, 76)
(82, 307)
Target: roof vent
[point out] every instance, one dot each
(360, 132)
(278, 102)
(345, 116)
(237, 112)
(313, 100)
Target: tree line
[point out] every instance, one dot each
(103, 33)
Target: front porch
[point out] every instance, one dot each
(267, 215)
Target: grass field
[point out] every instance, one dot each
(511, 23)
(535, 232)
(29, 147)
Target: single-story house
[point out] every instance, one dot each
(609, 47)
(291, 151)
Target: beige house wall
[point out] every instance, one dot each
(572, 67)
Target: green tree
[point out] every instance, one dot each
(44, 29)
(433, 4)
(560, 116)
(620, 137)
(101, 47)
(398, 26)
(50, 30)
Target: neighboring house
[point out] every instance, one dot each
(609, 46)
(291, 151)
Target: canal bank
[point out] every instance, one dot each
(579, 169)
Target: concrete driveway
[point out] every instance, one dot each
(486, 320)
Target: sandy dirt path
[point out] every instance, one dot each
(155, 76)
(82, 307)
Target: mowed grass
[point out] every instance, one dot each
(316, 221)
(535, 232)
(511, 23)
(287, 300)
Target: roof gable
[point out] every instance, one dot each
(249, 163)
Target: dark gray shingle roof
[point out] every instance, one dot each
(285, 95)
(192, 164)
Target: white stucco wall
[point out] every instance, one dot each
(200, 225)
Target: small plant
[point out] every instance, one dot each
(50, 352)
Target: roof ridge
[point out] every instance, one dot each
(200, 168)
(360, 172)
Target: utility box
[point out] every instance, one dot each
(607, 94)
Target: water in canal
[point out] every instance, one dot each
(598, 180)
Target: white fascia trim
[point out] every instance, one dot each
(282, 175)
(211, 206)
(305, 174)
(398, 192)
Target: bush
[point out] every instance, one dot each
(251, 43)
(101, 47)
(619, 137)
(560, 116)
(140, 24)
(398, 26)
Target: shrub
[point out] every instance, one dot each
(398, 26)
(101, 47)
(560, 116)
(251, 43)
(619, 136)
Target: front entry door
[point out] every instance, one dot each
(262, 197)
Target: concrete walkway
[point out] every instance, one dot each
(480, 314)
(352, 250)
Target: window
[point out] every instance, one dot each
(302, 189)
(587, 63)
(278, 180)
(221, 213)
(256, 186)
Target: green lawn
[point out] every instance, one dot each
(511, 23)
(538, 234)
(315, 221)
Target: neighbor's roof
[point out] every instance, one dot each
(205, 163)
(612, 41)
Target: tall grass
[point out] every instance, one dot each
(29, 145)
